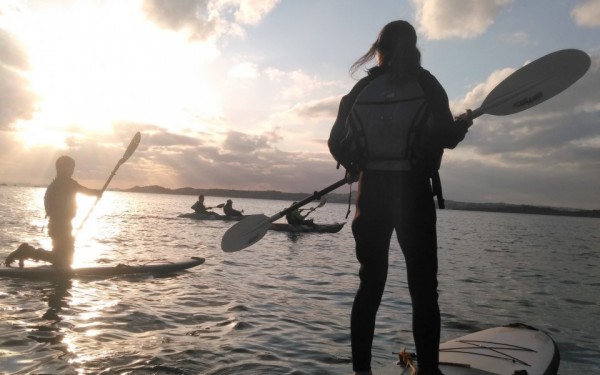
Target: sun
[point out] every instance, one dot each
(97, 64)
(32, 136)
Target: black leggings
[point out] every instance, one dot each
(402, 201)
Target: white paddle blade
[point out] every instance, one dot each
(536, 82)
(245, 233)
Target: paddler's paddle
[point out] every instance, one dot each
(252, 228)
(312, 209)
(130, 150)
(528, 86)
(535, 83)
(217, 206)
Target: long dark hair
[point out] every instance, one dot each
(397, 49)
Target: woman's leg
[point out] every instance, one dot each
(418, 241)
(372, 245)
(372, 232)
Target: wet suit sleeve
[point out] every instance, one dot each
(87, 191)
(448, 132)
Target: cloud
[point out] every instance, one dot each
(477, 95)
(240, 161)
(443, 19)
(192, 16)
(240, 143)
(251, 12)
(318, 109)
(297, 83)
(96, 156)
(299, 105)
(18, 101)
(587, 14)
(207, 20)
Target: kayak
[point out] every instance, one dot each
(317, 228)
(47, 272)
(210, 216)
(506, 350)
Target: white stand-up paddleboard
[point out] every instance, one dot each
(516, 349)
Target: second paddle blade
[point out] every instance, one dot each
(245, 233)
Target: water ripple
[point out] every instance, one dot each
(283, 305)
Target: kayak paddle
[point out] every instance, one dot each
(217, 206)
(535, 83)
(253, 228)
(321, 204)
(527, 87)
(135, 141)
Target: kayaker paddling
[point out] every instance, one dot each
(296, 217)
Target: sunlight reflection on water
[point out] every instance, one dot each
(282, 305)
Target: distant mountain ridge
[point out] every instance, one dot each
(343, 198)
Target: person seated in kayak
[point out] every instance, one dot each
(61, 206)
(199, 207)
(230, 211)
(295, 217)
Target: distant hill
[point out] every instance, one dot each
(343, 198)
(267, 194)
(520, 209)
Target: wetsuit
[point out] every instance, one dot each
(391, 200)
(61, 207)
(296, 218)
(230, 211)
(199, 208)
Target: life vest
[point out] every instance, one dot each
(387, 128)
(59, 199)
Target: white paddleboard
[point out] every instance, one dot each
(516, 349)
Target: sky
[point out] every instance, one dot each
(242, 94)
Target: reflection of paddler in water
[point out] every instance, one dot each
(230, 211)
(57, 298)
(61, 207)
(57, 295)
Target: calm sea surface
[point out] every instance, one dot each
(281, 306)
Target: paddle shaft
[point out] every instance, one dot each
(316, 195)
(492, 101)
(130, 150)
(321, 204)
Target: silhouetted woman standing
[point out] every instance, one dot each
(395, 192)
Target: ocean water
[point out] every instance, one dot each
(281, 306)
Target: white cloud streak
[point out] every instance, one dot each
(207, 20)
(18, 101)
(587, 13)
(444, 19)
